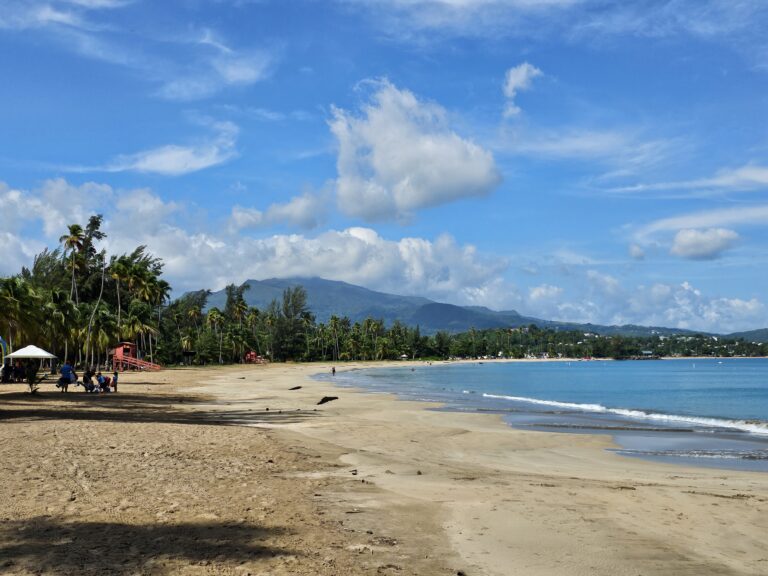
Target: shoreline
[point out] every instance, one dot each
(543, 502)
(652, 434)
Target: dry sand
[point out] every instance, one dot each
(228, 471)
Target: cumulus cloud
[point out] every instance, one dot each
(438, 268)
(685, 306)
(198, 257)
(176, 160)
(201, 256)
(399, 155)
(517, 79)
(704, 244)
(306, 211)
(603, 299)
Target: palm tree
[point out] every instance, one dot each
(73, 244)
(119, 273)
(214, 319)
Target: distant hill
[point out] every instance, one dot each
(328, 297)
(760, 335)
(434, 316)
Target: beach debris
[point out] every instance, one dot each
(295, 388)
(325, 399)
(418, 472)
(354, 472)
(461, 573)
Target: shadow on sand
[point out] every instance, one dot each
(44, 545)
(128, 407)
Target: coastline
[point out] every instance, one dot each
(541, 502)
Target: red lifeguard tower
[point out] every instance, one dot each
(253, 358)
(125, 357)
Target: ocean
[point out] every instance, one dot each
(704, 412)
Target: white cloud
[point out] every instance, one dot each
(739, 24)
(603, 283)
(743, 179)
(544, 292)
(198, 257)
(440, 268)
(684, 306)
(211, 74)
(399, 156)
(420, 20)
(203, 66)
(717, 218)
(707, 19)
(636, 251)
(306, 211)
(518, 78)
(626, 149)
(705, 244)
(175, 160)
(31, 14)
(603, 299)
(202, 256)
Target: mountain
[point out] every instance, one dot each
(328, 297)
(760, 335)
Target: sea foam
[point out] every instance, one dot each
(753, 427)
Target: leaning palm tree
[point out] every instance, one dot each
(73, 244)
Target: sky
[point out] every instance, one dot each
(579, 160)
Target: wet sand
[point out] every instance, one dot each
(229, 471)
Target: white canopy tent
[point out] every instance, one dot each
(31, 352)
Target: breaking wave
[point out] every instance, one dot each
(751, 426)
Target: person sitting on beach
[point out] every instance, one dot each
(103, 386)
(88, 381)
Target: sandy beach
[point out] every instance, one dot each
(235, 470)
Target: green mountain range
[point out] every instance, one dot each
(328, 297)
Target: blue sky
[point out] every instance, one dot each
(580, 160)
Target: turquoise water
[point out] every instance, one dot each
(711, 412)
